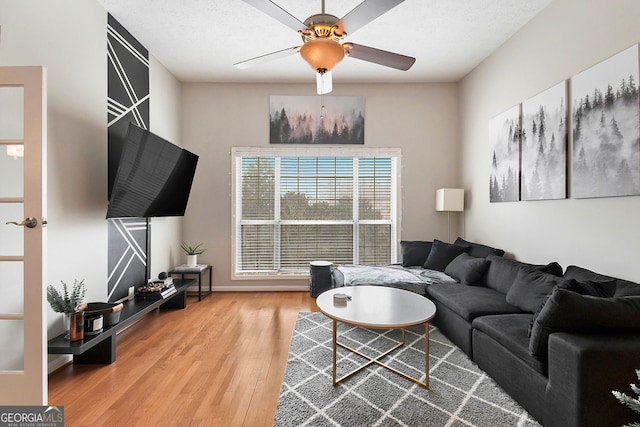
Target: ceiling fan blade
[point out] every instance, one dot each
(266, 58)
(324, 82)
(382, 57)
(364, 13)
(277, 13)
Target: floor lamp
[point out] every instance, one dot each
(449, 200)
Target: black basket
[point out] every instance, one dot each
(320, 278)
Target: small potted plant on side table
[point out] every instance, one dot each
(192, 253)
(65, 302)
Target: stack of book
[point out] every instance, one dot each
(156, 289)
(169, 290)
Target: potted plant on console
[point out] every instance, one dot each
(65, 302)
(192, 253)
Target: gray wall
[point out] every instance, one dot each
(421, 119)
(69, 38)
(165, 93)
(569, 36)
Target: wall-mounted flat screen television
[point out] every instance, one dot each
(153, 178)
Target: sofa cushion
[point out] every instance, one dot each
(510, 331)
(604, 289)
(470, 302)
(596, 289)
(568, 311)
(503, 271)
(623, 287)
(478, 250)
(414, 253)
(467, 269)
(442, 254)
(530, 288)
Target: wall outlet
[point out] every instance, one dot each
(132, 292)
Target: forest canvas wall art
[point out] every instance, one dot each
(316, 119)
(504, 140)
(606, 128)
(543, 145)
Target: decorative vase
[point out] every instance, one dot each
(76, 327)
(66, 324)
(192, 260)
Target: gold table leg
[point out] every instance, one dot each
(426, 354)
(376, 359)
(335, 340)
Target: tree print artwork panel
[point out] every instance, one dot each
(504, 140)
(606, 128)
(316, 120)
(543, 144)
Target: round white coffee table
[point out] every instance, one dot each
(378, 307)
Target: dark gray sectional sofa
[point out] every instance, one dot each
(557, 342)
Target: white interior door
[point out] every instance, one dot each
(23, 148)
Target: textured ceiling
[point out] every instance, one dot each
(200, 40)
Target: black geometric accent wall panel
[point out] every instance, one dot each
(127, 255)
(127, 101)
(128, 89)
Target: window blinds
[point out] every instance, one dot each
(291, 209)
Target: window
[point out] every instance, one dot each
(293, 206)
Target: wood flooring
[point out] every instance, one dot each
(219, 362)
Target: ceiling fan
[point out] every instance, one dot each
(323, 39)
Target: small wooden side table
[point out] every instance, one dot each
(197, 270)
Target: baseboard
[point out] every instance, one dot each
(58, 362)
(260, 288)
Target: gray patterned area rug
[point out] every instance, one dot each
(460, 394)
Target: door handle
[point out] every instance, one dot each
(29, 222)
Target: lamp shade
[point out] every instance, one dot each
(322, 53)
(450, 200)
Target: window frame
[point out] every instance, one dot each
(237, 153)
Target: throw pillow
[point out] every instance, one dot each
(530, 288)
(414, 253)
(503, 271)
(466, 269)
(605, 289)
(567, 311)
(623, 287)
(441, 255)
(596, 289)
(478, 250)
(551, 268)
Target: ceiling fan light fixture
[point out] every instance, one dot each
(322, 53)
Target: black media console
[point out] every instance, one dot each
(101, 348)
